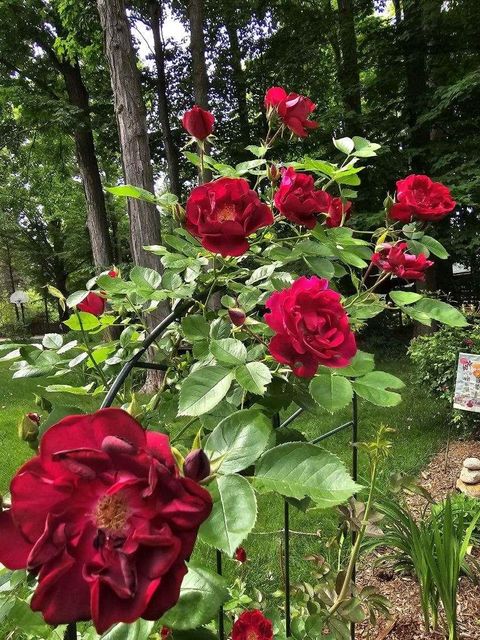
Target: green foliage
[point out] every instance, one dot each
(436, 357)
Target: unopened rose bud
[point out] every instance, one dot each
(237, 316)
(240, 555)
(114, 272)
(178, 212)
(273, 173)
(28, 427)
(196, 465)
(166, 632)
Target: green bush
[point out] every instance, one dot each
(435, 358)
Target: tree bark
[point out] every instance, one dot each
(350, 74)
(132, 128)
(239, 82)
(171, 153)
(97, 219)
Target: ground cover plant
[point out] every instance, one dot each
(107, 513)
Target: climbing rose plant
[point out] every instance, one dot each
(270, 285)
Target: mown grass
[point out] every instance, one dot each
(421, 429)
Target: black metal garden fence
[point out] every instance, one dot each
(137, 362)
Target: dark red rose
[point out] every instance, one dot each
(336, 211)
(292, 109)
(198, 122)
(311, 327)
(104, 520)
(468, 342)
(240, 555)
(196, 465)
(419, 198)
(237, 316)
(297, 199)
(93, 304)
(223, 213)
(252, 625)
(397, 260)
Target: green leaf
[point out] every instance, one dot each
(203, 389)
(441, 311)
(239, 440)
(373, 387)
(233, 515)
(67, 388)
(404, 297)
(52, 341)
(321, 267)
(201, 596)
(435, 247)
(258, 151)
(345, 145)
(74, 298)
(82, 319)
(297, 470)
(229, 351)
(253, 377)
(145, 278)
(129, 191)
(195, 328)
(262, 273)
(361, 364)
(138, 630)
(331, 392)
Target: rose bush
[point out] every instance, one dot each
(110, 510)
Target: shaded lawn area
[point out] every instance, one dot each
(421, 429)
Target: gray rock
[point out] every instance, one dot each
(470, 476)
(472, 463)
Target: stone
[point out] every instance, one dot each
(472, 463)
(471, 490)
(470, 477)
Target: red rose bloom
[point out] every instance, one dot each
(93, 303)
(297, 199)
(336, 211)
(396, 259)
(198, 122)
(103, 518)
(311, 327)
(292, 109)
(420, 198)
(252, 625)
(240, 555)
(223, 213)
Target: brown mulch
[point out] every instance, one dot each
(402, 591)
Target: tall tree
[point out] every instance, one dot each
(171, 151)
(132, 128)
(349, 69)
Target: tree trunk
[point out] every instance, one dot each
(416, 81)
(171, 152)
(350, 74)
(132, 128)
(199, 65)
(97, 220)
(239, 82)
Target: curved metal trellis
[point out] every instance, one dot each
(137, 362)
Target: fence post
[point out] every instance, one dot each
(70, 632)
(355, 478)
(221, 622)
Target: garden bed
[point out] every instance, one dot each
(439, 478)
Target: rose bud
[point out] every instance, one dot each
(166, 632)
(196, 465)
(92, 303)
(273, 173)
(240, 555)
(237, 316)
(114, 272)
(198, 122)
(28, 427)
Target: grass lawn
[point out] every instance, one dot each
(420, 424)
